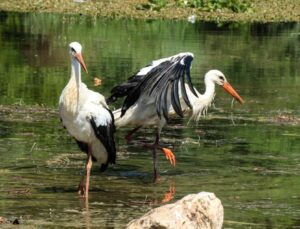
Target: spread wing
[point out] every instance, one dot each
(158, 80)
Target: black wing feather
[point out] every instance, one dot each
(130, 99)
(160, 81)
(184, 94)
(124, 89)
(175, 99)
(158, 104)
(106, 135)
(164, 103)
(141, 83)
(188, 62)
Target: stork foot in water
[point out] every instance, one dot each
(168, 153)
(169, 156)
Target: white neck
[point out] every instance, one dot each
(202, 102)
(209, 93)
(75, 71)
(75, 78)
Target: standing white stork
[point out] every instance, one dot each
(161, 89)
(85, 114)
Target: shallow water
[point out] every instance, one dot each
(247, 155)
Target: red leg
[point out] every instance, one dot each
(128, 137)
(81, 185)
(155, 163)
(169, 155)
(83, 190)
(88, 172)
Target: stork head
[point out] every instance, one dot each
(75, 53)
(219, 78)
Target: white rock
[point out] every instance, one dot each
(202, 210)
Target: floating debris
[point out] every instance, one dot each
(16, 222)
(79, 1)
(192, 19)
(2, 220)
(97, 81)
(20, 192)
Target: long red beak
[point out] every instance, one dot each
(232, 92)
(81, 61)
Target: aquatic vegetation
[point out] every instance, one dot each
(208, 10)
(236, 6)
(156, 5)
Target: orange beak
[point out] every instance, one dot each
(79, 57)
(232, 92)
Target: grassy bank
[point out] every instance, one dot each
(260, 11)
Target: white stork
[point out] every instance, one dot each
(85, 114)
(161, 89)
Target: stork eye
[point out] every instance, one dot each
(221, 78)
(73, 50)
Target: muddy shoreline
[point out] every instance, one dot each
(36, 113)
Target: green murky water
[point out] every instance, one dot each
(249, 156)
